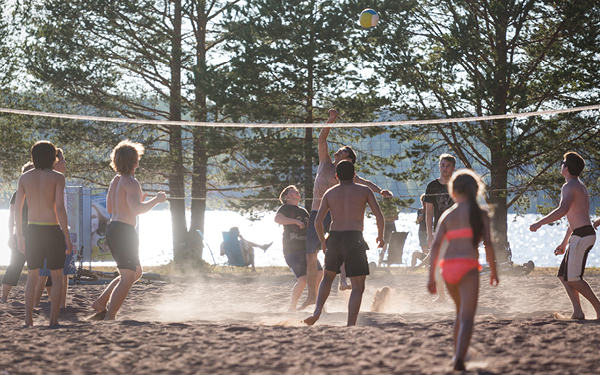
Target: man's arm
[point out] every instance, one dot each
(19, 201)
(110, 196)
(560, 249)
(134, 197)
(378, 216)
(284, 220)
(429, 222)
(374, 188)
(61, 211)
(11, 226)
(323, 146)
(566, 200)
(320, 229)
(490, 253)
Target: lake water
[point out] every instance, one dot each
(155, 238)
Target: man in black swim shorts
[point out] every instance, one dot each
(125, 201)
(48, 231)
(347, 202)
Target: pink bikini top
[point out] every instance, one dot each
(459, 233)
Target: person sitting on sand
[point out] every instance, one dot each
(346, 202)
(294, 220)
(463, 226)
(246, 247)
(580, 236)
(125, 200)
(48, 230)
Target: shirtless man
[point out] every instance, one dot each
(580, 236)
(48, 231)
(346, 202)
(323, 181)
(125, 201)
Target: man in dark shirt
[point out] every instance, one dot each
(437, 200)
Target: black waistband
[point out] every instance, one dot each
(584, 231)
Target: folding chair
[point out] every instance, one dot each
(395, 248)
(232, 247)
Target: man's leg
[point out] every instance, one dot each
(311, 280)
(574, 289)
(128, 277)
(358, 288)
(5, 292)
(100, 304)
(297, 292)
(39, 290)
(343, 279)
(32, 279)
(65, 289)
(55, 295)
(382, 254)
(324, 290)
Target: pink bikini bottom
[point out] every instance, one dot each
(454, 269)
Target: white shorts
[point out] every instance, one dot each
(573, 263)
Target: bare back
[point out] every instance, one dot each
(575, 195)
(324, 180)
(124, 191)
(347, 203)
(44, 190)
(457, 217)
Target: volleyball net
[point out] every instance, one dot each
(245, 166)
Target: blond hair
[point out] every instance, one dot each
(125, 156)
(285, 192)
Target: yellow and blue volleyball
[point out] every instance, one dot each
(369, 18)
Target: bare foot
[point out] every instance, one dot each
(98, 306)
(97, 316)
(311, 320)
(459, 365)
(345, 286)
(309, 301)
(440, 299)
(265, 247)
(573, 316)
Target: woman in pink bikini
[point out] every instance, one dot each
(463, 227)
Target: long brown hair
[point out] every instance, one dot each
(468, 183)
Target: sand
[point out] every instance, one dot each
(238, 324)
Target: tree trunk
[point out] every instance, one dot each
(176, 180)
(200, 154)
(498, 192)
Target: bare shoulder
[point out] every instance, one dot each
(129, 183)
(57, 175)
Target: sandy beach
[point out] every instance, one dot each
(238, 324)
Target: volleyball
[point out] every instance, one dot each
(369, 18)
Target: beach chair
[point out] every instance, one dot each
(232, 248)
(395, 248)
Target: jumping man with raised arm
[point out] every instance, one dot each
(323, 181)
